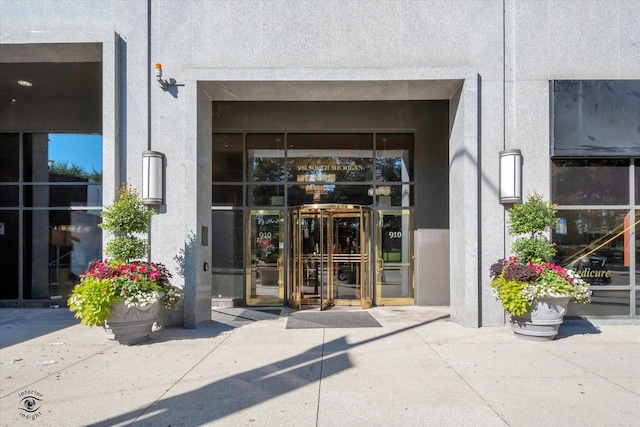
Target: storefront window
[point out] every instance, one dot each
(636, 234)
(590, 182)
(603, 303)
(595, 244)
(637, 182)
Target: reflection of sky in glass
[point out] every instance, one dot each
(77, 149)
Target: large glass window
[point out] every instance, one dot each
(48, 233)
(596, 185)
(590, 182)
(594, 242)
(596, 231)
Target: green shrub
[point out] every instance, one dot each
(533, 218)
(124, 219)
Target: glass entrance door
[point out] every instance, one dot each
(330, 259)
(265, 275)
(394, 258)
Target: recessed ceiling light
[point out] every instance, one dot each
(25, 83)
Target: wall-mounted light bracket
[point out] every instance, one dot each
(152, 177)
(511, 176)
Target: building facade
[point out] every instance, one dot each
(321, 153)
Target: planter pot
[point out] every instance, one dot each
(131, 325)
(542, 321)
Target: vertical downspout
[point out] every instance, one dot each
(149, 74)
(148, 103)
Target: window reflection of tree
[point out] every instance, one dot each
(267, 169)
(388, 169)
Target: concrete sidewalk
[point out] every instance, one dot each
(244, 368)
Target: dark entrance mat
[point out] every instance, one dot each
(331, 319)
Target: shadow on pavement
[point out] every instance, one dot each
(576, 327)
(236, 393)
(23, 324)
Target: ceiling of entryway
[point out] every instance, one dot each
(55, 70)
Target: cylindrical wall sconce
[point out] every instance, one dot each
(152, 177)
(511, 176)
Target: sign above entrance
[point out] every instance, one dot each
(330, 167)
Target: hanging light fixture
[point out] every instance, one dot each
(152, 177)
(511, 176)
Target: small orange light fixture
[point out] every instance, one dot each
(163, 83)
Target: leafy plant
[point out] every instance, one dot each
(517, 285)
(124, 276)
(518, 280)
(126, 218)
(533, 218)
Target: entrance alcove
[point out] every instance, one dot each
(432, 109)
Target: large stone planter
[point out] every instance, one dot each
(131, 325)
(542, 321)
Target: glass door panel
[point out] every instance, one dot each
(311, 249)
(394, 257)
(346, 258)
(265, 278)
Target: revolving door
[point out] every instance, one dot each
(330, 262)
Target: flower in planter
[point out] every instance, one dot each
(518, 285)
(124, 276)
(519, 279)
(136, 283)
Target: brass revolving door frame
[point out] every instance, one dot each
(330, 256)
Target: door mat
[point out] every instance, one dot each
(329, 319)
